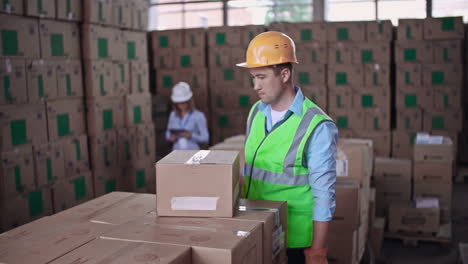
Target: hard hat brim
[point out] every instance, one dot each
(250, 66)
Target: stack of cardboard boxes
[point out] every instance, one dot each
(122, 140)
(44, 145)
(429, 80)
(359, 55)
(231, 91)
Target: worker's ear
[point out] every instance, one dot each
(285, 75)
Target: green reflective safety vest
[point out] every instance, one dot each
(276, 168)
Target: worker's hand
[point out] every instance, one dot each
(316, 256)
(173, 138)
(186, 134)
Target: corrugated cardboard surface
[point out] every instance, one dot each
(97, 11)
(140, 12)
(19, 34)
(59, 40)
(379, 30)
(347, 214)
(105, 114)
(410, 29)
(137, 109)
(71, 10)
(122, 13)
(14, 84)
(404, 217)
(402, 143)
(49, 160)
(390, 191)
(99, 78)
(433, 172)
(76, 154)
(343, 247)
(103, 150)
(346, 119)
(17, 169)
(340, 53)
(42, 80)
(13, 7)
(414, 51)
(72, 191)
(69, 79)
(392, 169)
(444, 28)
(312, 53)
(409, 75)
(371, 52)
(121, 76)
(441, 191)
(139, 77)
(108, 180)
(346, 31)
(409, 119)
(377, 75)
(44, 8)
(442, 74)
(346, 75)
(431, 152)
(65, 118)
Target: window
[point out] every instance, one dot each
(442, 8)
(349, 10)
(396, 9)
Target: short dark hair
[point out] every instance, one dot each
(277, 68)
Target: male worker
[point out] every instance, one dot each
(290, 148)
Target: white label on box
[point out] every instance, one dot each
(194, 203)
(198, 157)
(341, 168)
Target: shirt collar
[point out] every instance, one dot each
(296, 106)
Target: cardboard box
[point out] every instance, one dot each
(70, 10)
(448, 97)
(340, 53)
(122, 13)
(166, 79)
(213, 166)
(70, 192)
(140, 177)
(307, 32)
(225, 124)
(371, 52)
(121, 76)
(97, 11)
(404, 217)
(390, 191)
(402, 143)
(40, 8)
(355, 160)
(100, 250)
(442, 74)
(347, 119)
(346, 75)
(212, 240)
(140, 15)
(441, 191)
(433, 172)
(225, 56)
(377, 75)
(318, 94)
(76, 154)
(421, 98)
(17, 168)
(392, 169)
(448, 51)
(65, 118)
(105, 114)
(312, 74)
(370, 98)
(13, 7)
(99, 78)
(21, 126)
(136, 45)
(164, 58)
(414, 51)
(376, 235)
(227, 76)
(381, 30)
(137, 109)
(127, 146)
(240, 147)
(139, 77)
(382, 140)
(410, 29)
(42, 80)
(69, 79)
(346, 31)
(107, 181)
(196, 37)
(98, 42)
(18, 34)
(103, 150)
(340, 98)
(18, 211)
(346, 216)
(146, 142)
(434, 152)
(190, 58)
(409, 76)
(59, 40)
(14, 84)
(49, 160)
(167, 39)
(410, 119)
(444, 28)
(343, 247)
(249, 32)
(377, 119)
(445, 120)
(312, 53)
(224, 36)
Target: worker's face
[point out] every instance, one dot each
(268, 86)
(183, 106)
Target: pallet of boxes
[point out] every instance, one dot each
(178, 56)
(45, 165)
(118, 101)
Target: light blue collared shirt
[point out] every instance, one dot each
(194, 122)
(320, 158)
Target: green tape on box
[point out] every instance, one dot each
(446, 101)
(367, 56)
(147, 150)
(103, 50)
(137, 119)
(101, 85)
(77, 149)
(185, 61)
(408, 122)
(7, 91)
(448, 24)
(63, 125)
(68, 7)
(446, 55)
(438, 77)
(18, 132)
(342, 34)
(140, 178)
(122, 73)
(219, 101)
(111, 185)
(307, 35)
(375, 78)
(251, 35)
(119, 15)
(244, 101)
(140, 83)
(167, 81)
(56, 45)
(407, 77)
(376, 123)
(412, 138)
(338, 101)
(228, 74)
(105, 152)
(342, 122)
(223, 121)
(107, 119)
(10, 43)
(341, 78)
(131, 50)
(338, 56)
(100, 13)
(218, 60)
(410, 54)
(36, 205)
(220, 38)
(192, 40)
(438, 123)
(18, 185)
(304, 78)
(314, 56)
(411, 100)
(195, 82)
(80, 188)
(40, 8)
(140, 21)
(163, 41)
(40, 86)
(409, 33)
(381, 27)
(50, 175)
(68, 85)
(367, 101)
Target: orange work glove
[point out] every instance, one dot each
(316, 256)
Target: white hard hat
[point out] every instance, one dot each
(181, 93)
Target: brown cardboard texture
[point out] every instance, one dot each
(13, 7)
(442, 74)
(101, 250)
(382, 141)
(357, 159)
(69, 79)
(71, 10)
(249, 32)
(318, 94)
(443, 120)
(140, 11)
(107, 181)
(392, 169)
(312, 74)
(414, 51)
(42, 80)
(139, 77)
(444, 28)
(59, 40)
(164, 58)
(343, 247)
(18, 34)
(103, 150)
(433, 172)
(76, 154)
(190, 58)
(167, 39)
(49, 160)
(409, 119)
(448, 97)
(346, 75)
(146, 142)
(227, 76)
(195, 37)
(65, 118)
(99, 79)
(421, 98)
(346, 31)
(308, 32)
(22, 126)
(348, 119)
(376, 235)
(99, 42)
(404, 217)
(140, 177)
(371, 52)
(218, 168)
(127, 146)
(223, 56)
(14, 85)
(370, 98)
(410, 29)
(346, 216)
(381, 30)
(136, 46)
(408, 76)
(391, 191)
(70, 192)
(97, 11)
(340, 53)
(122, 13)
(377, 119)
(137, 109)
(312, 53)
(376, 75)
(441, 191)
(17, 168)
(340, 98)
(402, 143)
(45, 8)
(448, 51)
(121, 76)
(224, 36)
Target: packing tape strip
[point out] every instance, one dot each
(239, 233)
(244, 208)
(198, 157)
(194, 203)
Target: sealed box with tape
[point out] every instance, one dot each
(201, 183)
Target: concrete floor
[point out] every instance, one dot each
(394, 252)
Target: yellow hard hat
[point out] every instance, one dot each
(269, 48)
